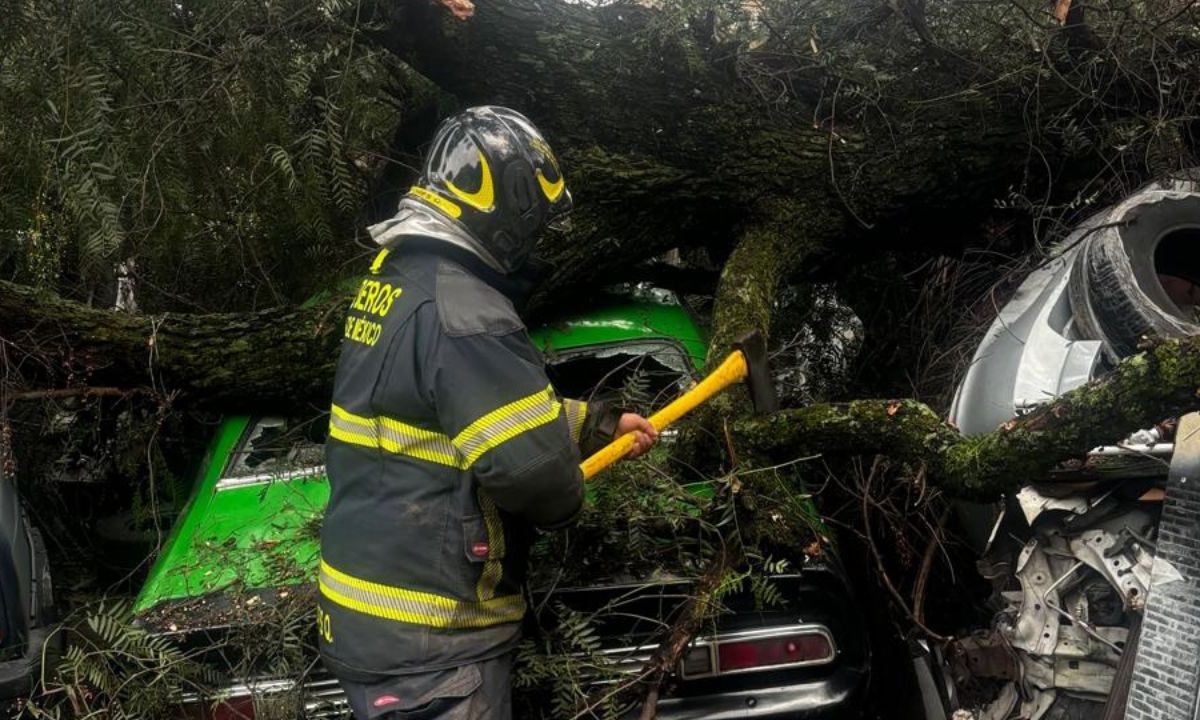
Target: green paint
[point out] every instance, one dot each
(244, 537)
(624, 321)
(261, 536)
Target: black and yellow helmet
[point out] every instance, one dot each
(490, 169)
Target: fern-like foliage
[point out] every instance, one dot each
(564, 663)
(115, 670)
(232, 141)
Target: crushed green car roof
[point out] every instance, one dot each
(623, 321)
(261, 532)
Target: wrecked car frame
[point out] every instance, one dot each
(1087, 584)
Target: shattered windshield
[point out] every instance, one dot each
(641, 376)
(278, 447)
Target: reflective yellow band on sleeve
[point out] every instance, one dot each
(505, 423)
(576, 412)
(392, 436)
(490, 431)
(413, 606)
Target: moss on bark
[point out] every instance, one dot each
(1143, 390)
(771, 247)
(279, 358)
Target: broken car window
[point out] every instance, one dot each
(639, 376)
(273, 445)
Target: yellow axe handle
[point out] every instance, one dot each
(733, 369)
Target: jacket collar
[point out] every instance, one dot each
(516, 286)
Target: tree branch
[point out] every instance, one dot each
(1143, 390)
(698, 608)
(286, 358)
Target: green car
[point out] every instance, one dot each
(254, 513)
(247, 542)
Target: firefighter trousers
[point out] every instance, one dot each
(481, 691)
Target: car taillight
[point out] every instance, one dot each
(763, 649)
(773, 652)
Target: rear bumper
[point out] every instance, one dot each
(835, 696)
(832, 697)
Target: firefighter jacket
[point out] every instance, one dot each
(447, 448)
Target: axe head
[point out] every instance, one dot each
(758, 374)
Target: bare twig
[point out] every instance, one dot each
(927, 567)
(693, 613)
(63, 393)
(460, 9)
(1061, 9)
(650, 707)
(887, 581)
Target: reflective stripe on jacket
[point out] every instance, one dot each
(447, 447)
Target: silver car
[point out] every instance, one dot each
(1095, 568)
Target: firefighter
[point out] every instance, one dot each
(448, 448)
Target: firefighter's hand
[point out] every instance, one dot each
(644, 434)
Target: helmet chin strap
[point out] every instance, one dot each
(414, 218)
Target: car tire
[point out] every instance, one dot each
(1114, 291)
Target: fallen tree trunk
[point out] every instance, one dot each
(234, 362)
(667, 144)
(282, 358)
(1143, 390)
(676, 126)
(844, 134)
(758, 268)
(865, 143)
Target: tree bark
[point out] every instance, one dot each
(285, 360)
(1143, 390)
(767, 252)
(666, 145)
(281, 358)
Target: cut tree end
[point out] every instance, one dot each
(461, 9)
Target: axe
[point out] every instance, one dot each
(748, 362)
